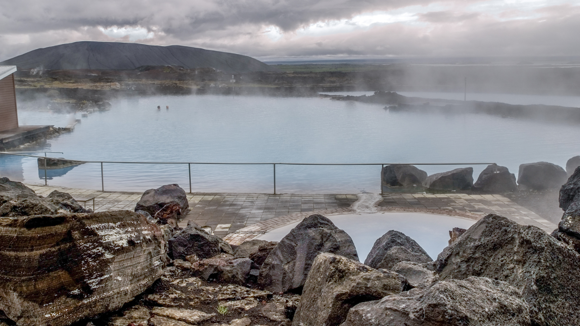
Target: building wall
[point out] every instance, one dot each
(8, 113)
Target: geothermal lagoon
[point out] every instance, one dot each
(244, 129)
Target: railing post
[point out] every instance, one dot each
(382, 168)
(45, 177)
(102, 179)
(189, 167)
(274, 178)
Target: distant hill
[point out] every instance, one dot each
(127, 56)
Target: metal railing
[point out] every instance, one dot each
(189, 164)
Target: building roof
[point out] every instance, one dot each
(6, 71)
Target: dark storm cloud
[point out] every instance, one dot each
(283, 28)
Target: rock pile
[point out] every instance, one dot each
(166, 203)
(394, 247)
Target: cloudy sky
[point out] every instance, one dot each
(295, 29)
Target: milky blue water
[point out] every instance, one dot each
(262, 129)
(429, 230)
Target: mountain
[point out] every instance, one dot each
(128, 56)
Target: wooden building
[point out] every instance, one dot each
(8, 110)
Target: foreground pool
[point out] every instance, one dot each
(429, 230)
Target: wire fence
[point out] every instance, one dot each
(189, 164)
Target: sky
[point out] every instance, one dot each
(302, 29)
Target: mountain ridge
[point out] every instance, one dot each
(127, 56)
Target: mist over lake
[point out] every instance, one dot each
(240, 129)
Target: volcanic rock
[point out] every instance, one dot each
(572, 164)
(287, 266)
(256, 250)
(496, 179)
(394, 247)
(455, 233)
(335, 284)
(417, 275)
(165, 202)
(458, 179)
(66, 202)
(541, 175)
(193, 240)
(474, 301)
(59, 269)
(570, 191)
(190, 316)
(404, 176)
(525, 257)
(13, 189)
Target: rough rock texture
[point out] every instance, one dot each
(455, 234)
(18, 200)
(496, 179)
(458, 179)
(290, 261)
(194, 240)
(474, 301)
(572, 164)
(66, 202)
(335, 284)
(541, 175)
(417, 275)
(570, 191)
(394, 247)
(165, 202)
(58, 269)
(222, 268)
(256, 250)
(526, 258)
(190, 316)
(13, 189)
(404, 176)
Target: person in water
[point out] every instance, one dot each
(167, 107)
(159, 107)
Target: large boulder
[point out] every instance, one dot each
(394, 247)
(496, 179)
(287, 266)
(570, 191)
(169, 201)
(458, 179)
(256, 250)
(572, 164)
(417, 275)
(335, 284)
(195, 241)
(526, 257)
(541, 176)
(62, 268)
(474, 301)
(403, 176)
(66, 202)
(13, 189)
(18, 200)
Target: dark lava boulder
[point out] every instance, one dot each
(165, 202)
(288, 264)
(539, 266)
(66, 202)
(256, 250)
(58, 269)
(394, 247)
(13, 189)
(335, 284)
(570, 191)
(474, 301)
(541, 176)
(572, 164)
(195, 241)
(458, 179)
(496, 179)
(417, 275)
(403, 176)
